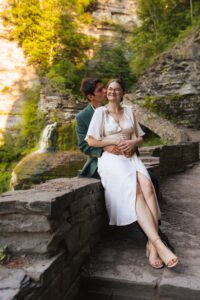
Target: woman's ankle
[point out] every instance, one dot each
(154, 240)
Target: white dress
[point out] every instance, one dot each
(117, 172)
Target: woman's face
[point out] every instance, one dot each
(114, 92)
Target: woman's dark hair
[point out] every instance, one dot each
(88, 85)
(119, 81)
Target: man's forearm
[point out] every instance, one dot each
(101, 143)
(91, 151)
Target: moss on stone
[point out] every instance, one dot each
(67, 139)
(159, 105)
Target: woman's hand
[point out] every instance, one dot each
(126, 145)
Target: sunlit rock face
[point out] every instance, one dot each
(107, 13)
(15, 75)
(117, 11)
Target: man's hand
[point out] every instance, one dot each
(129, 154)
(116, 150)
(113, 149)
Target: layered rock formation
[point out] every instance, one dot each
(58, 106)
(171, 85)
(109, 13)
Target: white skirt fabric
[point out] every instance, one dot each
(118, 177)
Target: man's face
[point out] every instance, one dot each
(99, 94)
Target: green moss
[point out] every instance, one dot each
(175, 97)
(159, 105)
(2, 253)
(150, 103)
(67, 138)
(153, 142)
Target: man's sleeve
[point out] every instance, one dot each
(81, 131)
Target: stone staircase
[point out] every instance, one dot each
(150, 156)
(118, 268)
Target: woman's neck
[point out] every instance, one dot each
(114, 107)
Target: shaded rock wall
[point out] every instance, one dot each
(58, 106)
(169, 132)
(173, 81)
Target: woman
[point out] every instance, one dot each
(129, 192)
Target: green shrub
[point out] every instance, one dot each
(25, 137)
(111, 62)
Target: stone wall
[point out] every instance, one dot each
(51, 228)
(169, 132)
(174, 158)
(173, 82)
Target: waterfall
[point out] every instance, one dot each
(48, 138)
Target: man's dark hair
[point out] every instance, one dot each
(88, 85)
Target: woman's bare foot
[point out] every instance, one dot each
(168, 257)
(153, 256)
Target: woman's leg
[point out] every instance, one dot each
(149, 195)
(146, 221)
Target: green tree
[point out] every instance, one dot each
(161, 22)
(48, 31)
(110, 62)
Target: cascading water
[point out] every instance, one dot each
(48, 138)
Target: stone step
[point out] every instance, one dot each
(118, 268)
(150, 151)
(150, 159)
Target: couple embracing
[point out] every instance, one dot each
(110, 134)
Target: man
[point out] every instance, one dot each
(95, 93)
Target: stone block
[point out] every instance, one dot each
(78, 204)
(78, 260)
(73, 291)
(10, 282)
(58, 237)
(31, 202)
(34, 243)
(81, 216)
(24, 223)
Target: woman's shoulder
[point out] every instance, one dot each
(100, 109)
(128, 109)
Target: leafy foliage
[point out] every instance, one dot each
(162, 22)
(111, 62)
(25, 138)
(48, 31)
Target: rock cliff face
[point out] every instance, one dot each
(108, 13)
(15, 75)
(57, 106)
(171, 85)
